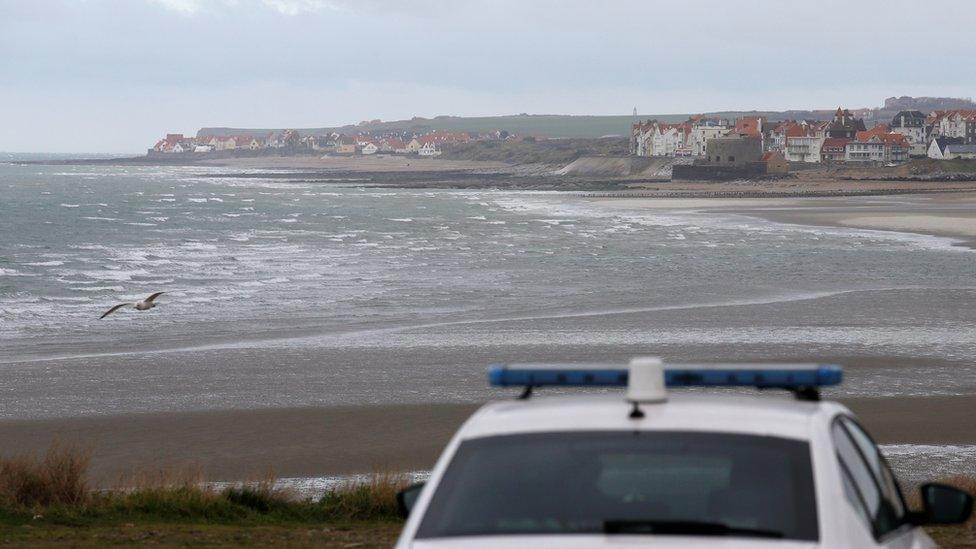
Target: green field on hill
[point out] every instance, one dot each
(539, 125)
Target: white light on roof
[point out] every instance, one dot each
(645, 383)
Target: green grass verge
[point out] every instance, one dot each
(46, 502)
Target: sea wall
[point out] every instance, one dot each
(706, 172)
(618, 166)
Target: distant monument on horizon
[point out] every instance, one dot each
(925, 104)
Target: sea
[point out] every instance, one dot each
(281, 293)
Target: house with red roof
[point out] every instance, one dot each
(392, 145)
(803, 143)
(750, 126)
(174, 143)
(834, 149)
(249, 142)
(957, 123)
(775, 163)
(872, 147)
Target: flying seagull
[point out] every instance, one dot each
(143, 305)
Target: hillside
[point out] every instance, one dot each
(540, 125)
(544, 151)
(574, 126)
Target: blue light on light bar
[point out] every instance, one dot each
(785, 376)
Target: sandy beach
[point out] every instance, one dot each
(312, 442)
(946, 214)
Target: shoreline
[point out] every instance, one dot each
(922, 213)
(235, 445)
(413, 172)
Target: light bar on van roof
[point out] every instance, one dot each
(783, 376)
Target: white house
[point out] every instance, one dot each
(666, 140)
(705, 129)
(777, 138)
(429, 149)
(959, 124)
(800, 141)
(912, 125)
(937, 148)
(872, 150)
(205, 148)
(222, 143)
(803, 148)
(369, 148)
(880, 147)
(660, 139)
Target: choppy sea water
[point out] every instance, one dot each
(291, 294)
(271, 266)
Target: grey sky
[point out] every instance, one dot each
(112, 75)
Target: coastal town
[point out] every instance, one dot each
(703, 147)
(844, 138)
(427, 144)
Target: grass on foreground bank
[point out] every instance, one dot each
(47, 500)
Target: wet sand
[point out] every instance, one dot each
(309, 442)
(248, 444)
(946, 214)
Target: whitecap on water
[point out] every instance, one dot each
(197, 246)
(926, 462)
(99, 289)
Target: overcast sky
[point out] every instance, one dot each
(113, 75)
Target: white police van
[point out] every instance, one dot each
(667, 470)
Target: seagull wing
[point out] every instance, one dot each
(154, 296)
(113, 309)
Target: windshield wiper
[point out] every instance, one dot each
(683, 527)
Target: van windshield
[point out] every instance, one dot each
(678, 483)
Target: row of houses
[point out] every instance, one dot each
(844, 138)
(428, 144)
